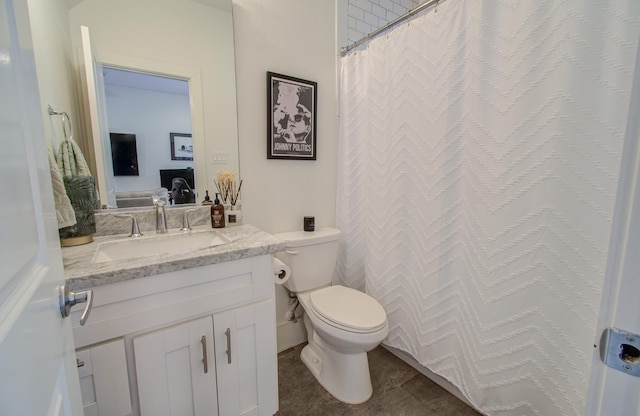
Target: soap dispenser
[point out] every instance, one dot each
(207, 200)
(217, 213)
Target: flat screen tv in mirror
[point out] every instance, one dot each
(124, 154)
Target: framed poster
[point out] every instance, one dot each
(181, 146)
(291, 117)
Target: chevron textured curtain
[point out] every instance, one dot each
(479, 155)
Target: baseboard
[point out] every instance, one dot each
(439, 380)
(290, 334)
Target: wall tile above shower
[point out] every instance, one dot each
(365, 16)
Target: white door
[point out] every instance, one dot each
(175, 370)
(37, 365)
(104, 379)
(613, 392)
(246, 362)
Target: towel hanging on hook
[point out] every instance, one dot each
(79, 186)
(70, 158)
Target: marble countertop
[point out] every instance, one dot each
(81, 273)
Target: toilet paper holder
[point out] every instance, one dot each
(281, 272)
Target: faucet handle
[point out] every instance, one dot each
(161, 217)
(158, 202)
(135, 230)
(185, 220)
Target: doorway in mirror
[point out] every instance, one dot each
(150, 107)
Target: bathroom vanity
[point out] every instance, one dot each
(190, 332)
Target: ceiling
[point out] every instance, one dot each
(131, 79)
(224, 5)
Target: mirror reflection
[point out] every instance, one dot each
(150, 142)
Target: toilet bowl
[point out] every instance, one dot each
(342, 324)
(337, 351)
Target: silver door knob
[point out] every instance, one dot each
(68, 299)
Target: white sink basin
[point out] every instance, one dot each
(157, 245)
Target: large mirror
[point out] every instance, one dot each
(157, 67)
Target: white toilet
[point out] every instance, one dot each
(342, 324)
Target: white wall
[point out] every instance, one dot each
(278, 193)
(54, 65)
(296, 38)
(151, 116)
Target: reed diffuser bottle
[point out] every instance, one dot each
(230, 193)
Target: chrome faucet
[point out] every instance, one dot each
(135, 230)
(185, 220)
(161, 216)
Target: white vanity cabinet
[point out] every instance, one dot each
(243, 364)
(175, 371)
(170, 325)
(104, 382)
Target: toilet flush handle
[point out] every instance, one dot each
(294, 252)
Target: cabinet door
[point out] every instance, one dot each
(104, 380)
(246, 360)
(175, 374)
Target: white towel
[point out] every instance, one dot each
(65, 214)
(71, 161)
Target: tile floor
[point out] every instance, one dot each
(398, 390)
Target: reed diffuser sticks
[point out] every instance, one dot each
(226, 183)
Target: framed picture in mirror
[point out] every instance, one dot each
(181, 146)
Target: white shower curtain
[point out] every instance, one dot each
(479, 155)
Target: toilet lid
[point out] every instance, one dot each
(349, 308)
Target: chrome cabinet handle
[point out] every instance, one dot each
(69, 299)
(228, 334)
(205, 361)
(293, 252)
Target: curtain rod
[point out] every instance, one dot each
(345, 49)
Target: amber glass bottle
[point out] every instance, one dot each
(217, 213)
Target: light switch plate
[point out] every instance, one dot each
(219, 158)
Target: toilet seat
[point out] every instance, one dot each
(348, 309)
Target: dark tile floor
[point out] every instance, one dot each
(398, 390)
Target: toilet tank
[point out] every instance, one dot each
(311, 256)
